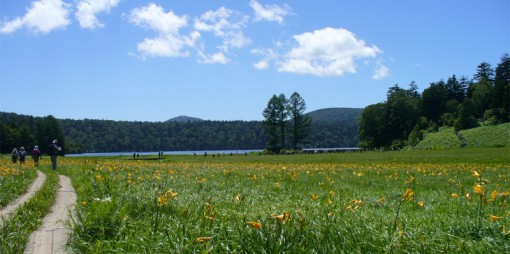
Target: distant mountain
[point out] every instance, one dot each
(336, 114)
(185, 119)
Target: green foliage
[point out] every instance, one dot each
(27, 131)
(444, 139)
(461, 104)
(488, 136)
(299, 122)
(120, 136)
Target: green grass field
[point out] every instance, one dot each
(392, 202)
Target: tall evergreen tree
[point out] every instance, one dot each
(502, 87)
(300, 123)
(270, 123)
(455, 89)
(281, 117)
(434, 101)
(484, 71)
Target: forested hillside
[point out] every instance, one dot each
(122, 136)
(406, 116)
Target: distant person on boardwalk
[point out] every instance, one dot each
(22, 155)
(36, 155)
(14, 155)
(53, 150)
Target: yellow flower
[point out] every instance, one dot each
(332, 193)
(357, 202)
(203, 239)
(328, 202)
(421, 204)
(476, 174)
(171, 194)
(494, 194)
(495, 218)
(478, 189)
(455, 195)
(381, 200)
(237, 199)
(254, 225)
(84, 203)
(163, 200)
(408, 195)
(313, 196)
(281, 217)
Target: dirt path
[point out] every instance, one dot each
(13, 206)
(52, 236)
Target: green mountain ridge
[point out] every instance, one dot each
(177, 134)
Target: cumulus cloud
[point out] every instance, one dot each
(169, 42)
(381, 72)
(225, 24)
(268, 56)
(214, 58)
(42, 16)
(326, 52)
(270, 12)
(88, 9)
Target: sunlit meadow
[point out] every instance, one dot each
(366, 203)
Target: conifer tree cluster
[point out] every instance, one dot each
(460, 103)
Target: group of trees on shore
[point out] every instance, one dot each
(285, 122)
(460, 103)
(334, 128)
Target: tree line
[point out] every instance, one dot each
(461, 103)
(88, 135)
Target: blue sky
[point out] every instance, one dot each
(140, 60)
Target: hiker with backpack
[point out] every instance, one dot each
(53, 150)
(22, 155)
(36, 155)
(14, 155)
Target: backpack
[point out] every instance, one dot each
(51, 150)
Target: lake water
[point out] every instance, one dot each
(209, 152)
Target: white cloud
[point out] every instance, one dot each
(225, 24)
(261, 65)
(88, 9)
(270, 12)
(214, 58)
(326, 52)
(169, 42)
(268, 56)
(381, 72)
(42, 17)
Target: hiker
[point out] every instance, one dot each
(22, 155)
(53, 150)
(36, 154)
(14, 155)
